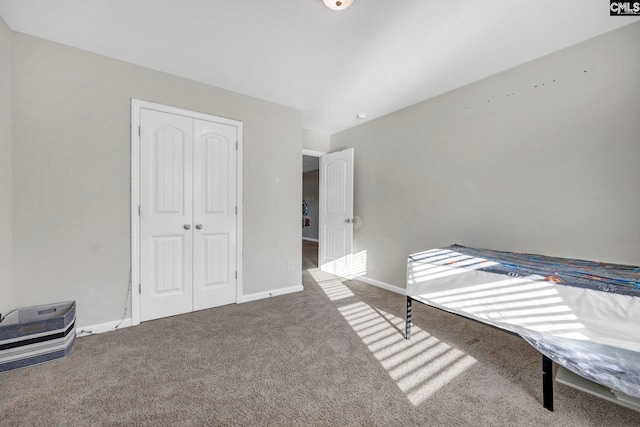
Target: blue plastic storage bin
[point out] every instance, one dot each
(38, 334)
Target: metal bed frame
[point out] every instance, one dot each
(547, 364)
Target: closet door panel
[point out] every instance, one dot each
(214, 214)
(166, 239)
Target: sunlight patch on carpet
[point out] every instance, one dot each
(420, 366)
(330, 284)
(349, 266)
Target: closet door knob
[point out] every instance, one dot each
(199, 226)
(187, 226)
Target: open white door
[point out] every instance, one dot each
(335, 248)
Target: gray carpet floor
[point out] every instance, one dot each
(332, 355)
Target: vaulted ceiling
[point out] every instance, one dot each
(375, 57)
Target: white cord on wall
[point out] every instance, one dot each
(86, 332)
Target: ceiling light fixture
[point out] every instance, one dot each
(338, 4)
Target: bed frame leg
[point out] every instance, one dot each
(547, 383)
(407, 325)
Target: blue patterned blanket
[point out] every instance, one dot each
(613, 278)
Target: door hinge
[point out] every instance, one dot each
(236, 145)
(140, 288)
(139, 210)
(236, 275)
(139, 130)
(236, 210)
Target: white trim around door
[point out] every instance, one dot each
(136, 108)
(313, 153)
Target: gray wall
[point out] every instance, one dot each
(6, 290)
(310, 193)
(542, 158)
(71, 176)
(315, 141)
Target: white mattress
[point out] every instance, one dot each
(592, 333)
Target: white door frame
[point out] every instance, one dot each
(136, 106)
(313, 153)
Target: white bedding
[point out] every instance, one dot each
(594, 334)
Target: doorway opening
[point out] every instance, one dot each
(335, 211)
(310, 207)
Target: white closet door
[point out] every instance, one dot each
(214, 214)
(166, 237)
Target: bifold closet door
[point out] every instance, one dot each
(187, 214)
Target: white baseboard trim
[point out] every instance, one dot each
(272, 293)
(383, 285)
(100, 328)
(309, 239)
